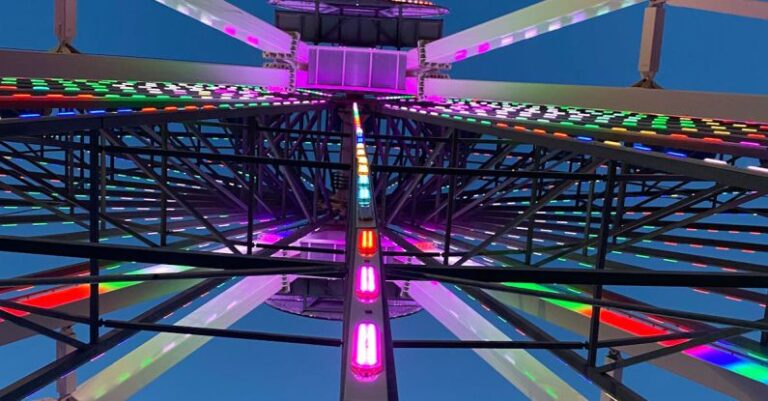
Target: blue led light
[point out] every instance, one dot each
(66, 113)
(124, 110)
(96, 111)
(584, 138)
(29, 115)
(677, 154)
(641, 147)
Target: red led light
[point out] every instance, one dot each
(366, 242)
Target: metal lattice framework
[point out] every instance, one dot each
(173, 181)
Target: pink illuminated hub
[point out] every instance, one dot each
(366, 353)
(367, 287)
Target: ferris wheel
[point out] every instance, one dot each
(351, 181)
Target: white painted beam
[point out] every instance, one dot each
(128, 375)
(32, 64)
(467, 324)
(712, 376)
(238, 24)
(743, 8)
(527, 23)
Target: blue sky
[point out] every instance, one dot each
(702, 51)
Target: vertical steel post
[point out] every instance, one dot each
(533, 199)
(251, 184)
(451, 201)
(163, 196)
(650, 44)
(588, 217)
(602, 252)
(617, 374)
(65, 25)
(67, 384)
(93, 230)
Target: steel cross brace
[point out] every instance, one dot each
(170, 192)
(552, 194)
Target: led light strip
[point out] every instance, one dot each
(523, 370)
(561, 135)
(722, 358)
(366, 349)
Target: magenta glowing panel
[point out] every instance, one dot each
(366, 352)
(367, 288)
(347, 68)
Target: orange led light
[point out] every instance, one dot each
(366, 242)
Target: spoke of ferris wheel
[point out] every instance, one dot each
(670, 102)
(95, 67)
(537, 383)
(238, 24)
(519, 25)
(124, 378)
(743, 8)
(164, 351)
(686, 364)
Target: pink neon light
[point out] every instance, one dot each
(460, 55)
(507, 40)
(269, 238)
(578, 17)
(531, 33)
(230, 30)
(252, 40)
(366, 354)
(367, 289)
(484, 47)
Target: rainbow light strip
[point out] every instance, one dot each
(67, 295)
(716, 356)
(469, 116)
(18, 88)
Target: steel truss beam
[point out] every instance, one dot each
(167, 349)
(148, 255)
(519, 25)
(17, 63)
(468, 325)
(742, 8)
(670, 102)
(588, 277)
(62, 366)
(241, 25)
(610, 385)
(696, 169)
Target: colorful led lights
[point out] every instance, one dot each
(367, 287)
(366, 242)
(366, 353)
